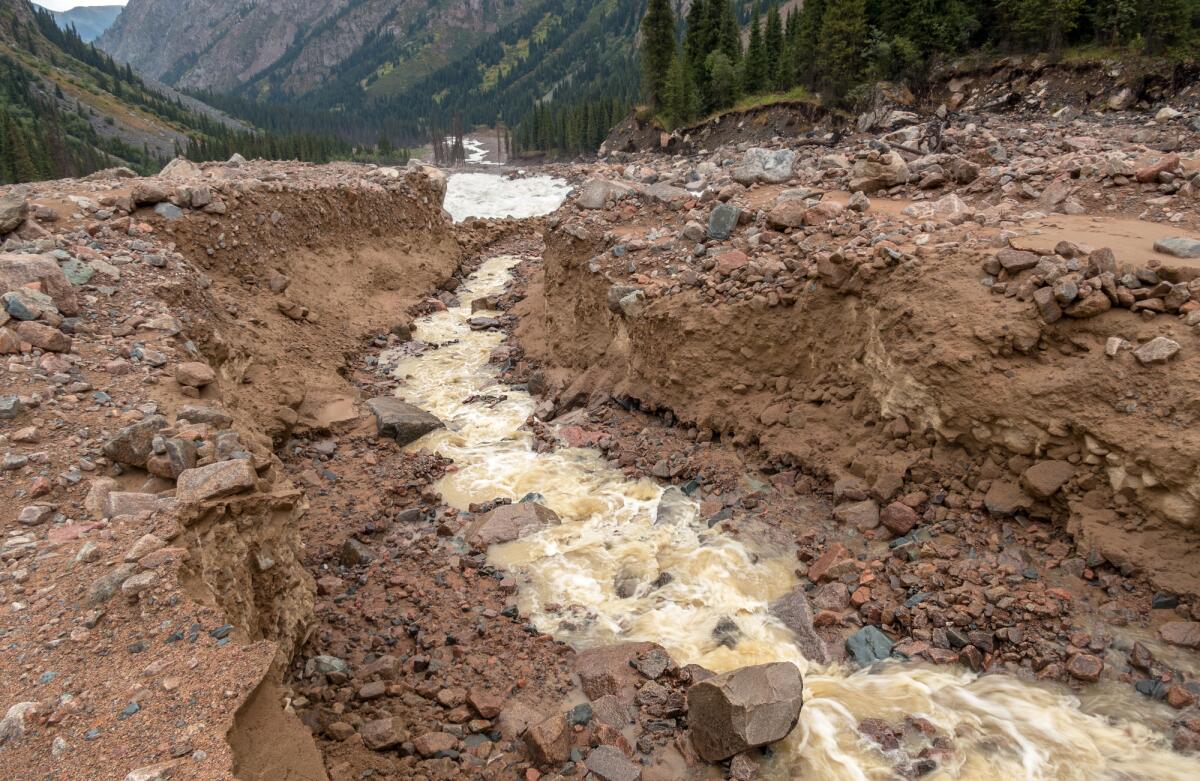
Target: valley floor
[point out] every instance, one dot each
(915, 418)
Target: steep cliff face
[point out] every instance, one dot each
(289, 47)
(90, 21)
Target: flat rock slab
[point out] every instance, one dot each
(610, 670)
(611, 764)
(400, 420)
(743, 709)
(795, 612)
(1179, 247)
(509, 522)
(224, 478)
(869, 645)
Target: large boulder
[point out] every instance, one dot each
(12, 213)
(509, 522)
(596, 193)
(400, 420)
(771, 166)
(744, 709)
(874, 175)
(18, 270)
(610, 670)
(1178, 246)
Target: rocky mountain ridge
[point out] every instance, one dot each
(291, 46)
(90, 21)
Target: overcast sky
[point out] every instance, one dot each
(63, 5)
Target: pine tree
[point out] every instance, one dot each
(658, 49)
(1164, 23)
(808, 40)
(697, 42)
(773, 44)
(1047, 23)
(729, 32)
(722, 78)
(681, 101)
(843, 38)
(755, 74)
(1114, 21)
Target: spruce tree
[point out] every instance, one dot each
(1164, 23)
(658, 49)
(808, 40)
(729, 32)
(773, 44)
(843, 38)
(1114, 21)
(756, 59)
(1047, 23)
(722, 78)
(697, 42)
(681, 101)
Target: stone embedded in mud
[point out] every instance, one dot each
(1157, 350)
(1044, 479)
(870, 176)
(609, 669)
(12, 213)
(354, 553)
(1047, 305)
(869, 645)
(1005, 498)
(862, 515)
(610, 764)
(224, 478)
(722, 221)
(509, 522)
(794, 611)
(1091, 305)
(400, 420)
(433, 743)
(382, 734)
(899, 518)
(550, 740)
(133, 444)
(596, 193)
(744, 709)
(163, 771)
(1181, 633)
(194, 374)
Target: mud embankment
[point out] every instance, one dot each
(913, 380)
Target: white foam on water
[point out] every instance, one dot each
(490, 195)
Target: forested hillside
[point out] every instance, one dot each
(90, 21)
(67, 109)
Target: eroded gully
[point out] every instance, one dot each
(1003, 727)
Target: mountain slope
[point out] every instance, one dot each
(67, 109)
(88, 20)
(281, 48)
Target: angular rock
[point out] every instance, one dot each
(869, 645)
(44, 337)
(133, 444)
(1005, 498)
(1181, 633)
(870, 176)
(1157, 350)
(610, 764)
(723, 220)
(794, 611)
(433, 743)
(194, 374)
(509, 522)
(771, 166)
(596, 193)
(899, 518)
(550, 740)
(1047, 305)
(22, 270)
(1044, 479)
(744, 709)
(1095, 303)
(1014, 260)
(224, 478)
(12, 213)
(382, 734)
(608, 669)
(400, 420)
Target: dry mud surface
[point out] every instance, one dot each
(866, 389)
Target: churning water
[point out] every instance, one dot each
(492, 195)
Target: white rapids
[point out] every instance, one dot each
(492, 195)
(1000, 728)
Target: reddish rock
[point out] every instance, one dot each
(1044, 479)
(1150, 173)
(1085, 667)
(899, 518)
(486, 703)
(833, 556)
(431, 743)
(729, 262)
(1184, 633)
(382, 734)
(550, 740)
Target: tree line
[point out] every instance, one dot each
(700, 65)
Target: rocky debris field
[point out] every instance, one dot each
(950, 362)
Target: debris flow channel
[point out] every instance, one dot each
(1000, 727)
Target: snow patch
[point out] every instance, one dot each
(490, 195)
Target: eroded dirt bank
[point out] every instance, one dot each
(181, 328)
